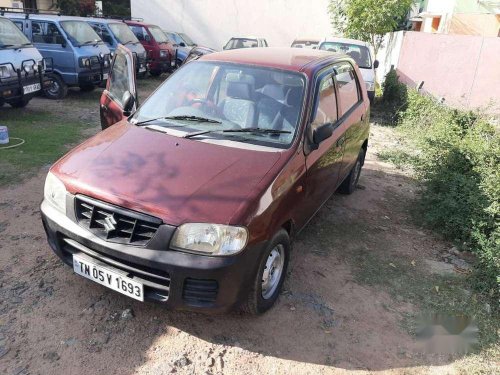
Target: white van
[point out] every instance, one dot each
(360, 52)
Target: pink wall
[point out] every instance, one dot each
(464, 69)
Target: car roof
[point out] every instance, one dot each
(102, 20)
(345, 40)
(294, 59)
(44, 17)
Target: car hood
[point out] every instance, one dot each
(178, 180)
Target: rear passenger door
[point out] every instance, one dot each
(352, 112)
(324, 163)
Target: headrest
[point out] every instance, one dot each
(277, 92)
(293, 97)
(241, 78)
(239, 90)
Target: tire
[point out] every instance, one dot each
(349, 184)
(20, 103)
(87, 88)
(178, 63)
(155, 73)
(2, 102)
(260, 300)
(56, 89)
(142, 75)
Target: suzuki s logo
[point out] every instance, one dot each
(109, 223)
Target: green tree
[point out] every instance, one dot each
(116, 8)
(76, 7)
(368, 20)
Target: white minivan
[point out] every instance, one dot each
(360, 52)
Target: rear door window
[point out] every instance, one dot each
(347, 86)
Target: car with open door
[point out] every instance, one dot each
(119, 99)
(193, 199)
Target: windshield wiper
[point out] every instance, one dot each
(257, 130)
(6, 45)
(130, 41)
(193, 118)
(247, 130)
(94, 42)
(182, 118)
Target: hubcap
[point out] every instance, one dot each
(273, 271)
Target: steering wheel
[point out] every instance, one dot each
(204, 105)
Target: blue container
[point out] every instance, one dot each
(4, 135)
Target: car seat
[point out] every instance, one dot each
(238, 106)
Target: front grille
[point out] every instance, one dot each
(197, 291)
(156, 283)
(115, 224)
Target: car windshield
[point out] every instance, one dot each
(159, 35)
(123, 33)
(241, 43)
(80, 33)
(360, 54)
(10, 35)
(234, 102)
(187, 40)
(174, 37)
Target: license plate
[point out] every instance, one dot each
(142, 69)
(105, 76)
(31, 88)
(108, 276)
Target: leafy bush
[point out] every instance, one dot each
(395, 95)
(459, 165)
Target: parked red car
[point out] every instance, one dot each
(161, 54)
(193, 199)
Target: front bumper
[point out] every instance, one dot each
(175, 279)
(13, 89)
(92, 77)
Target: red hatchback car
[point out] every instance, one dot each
(192, 200)
(160, 51)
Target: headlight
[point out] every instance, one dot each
(210, 239)
(85, 62)
(163, 53)
(4, 71)
(54, 192)
(370, 86)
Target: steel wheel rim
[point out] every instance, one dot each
(273, 271)
(53, 88)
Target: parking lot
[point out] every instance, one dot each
(359, 277)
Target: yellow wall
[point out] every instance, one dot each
(475, 24)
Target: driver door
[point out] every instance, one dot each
(119, 99)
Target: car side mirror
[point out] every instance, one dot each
(182, 44)
(375, 64)
(322, 132)
(128, 103)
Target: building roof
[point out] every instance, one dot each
(283, 58)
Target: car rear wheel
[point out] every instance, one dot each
(270, 275)
(56, 88)
(351, 181)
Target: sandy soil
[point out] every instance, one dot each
(55, 322)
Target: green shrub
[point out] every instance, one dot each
(459, 164)
(395, 95)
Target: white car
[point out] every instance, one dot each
(360, 52)
(245, 42)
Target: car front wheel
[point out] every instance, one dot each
(270, 275)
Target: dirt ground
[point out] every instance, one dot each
(326, 321)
